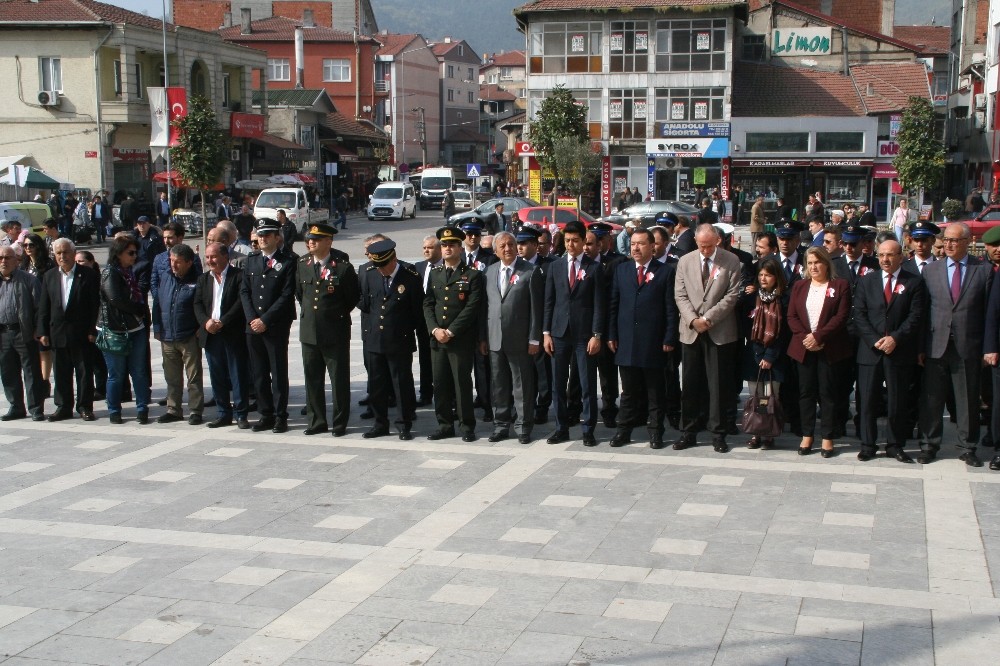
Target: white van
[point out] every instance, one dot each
(392, 200)
(31, 214)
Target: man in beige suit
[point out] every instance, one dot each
(758, 220)
(706, 289)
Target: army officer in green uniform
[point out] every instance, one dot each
(327, 288)
(452, 309)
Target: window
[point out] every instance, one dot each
(451, 95)
(136, 87)
(336, 70)
(685, 104)
(492, 78)
(278, 69)
(461, 49)
(846, 188)
(691, 46)
(472, 75)
(777, 142)
(629, 46)
(557, 48)
(754, 48)
(589, 98)
(50, 73)
(307, 135)
(226, 97)
(506, 73)
(472, 99)
(840, 142)
(627, 113)
(451, 71)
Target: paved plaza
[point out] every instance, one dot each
(176, 545)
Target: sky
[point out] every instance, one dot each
(152, 7)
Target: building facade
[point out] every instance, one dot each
(461, 141)
(407, 70)
(210, 15)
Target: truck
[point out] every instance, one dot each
(294, 202)
(434, 182)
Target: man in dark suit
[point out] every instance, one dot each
(432, 258)
(642, 330)
(958, 290)
(607, 369)
(67, 320)
(222, 325)
(512, 332)
(792, 257)
(268, 297)
(528, 242)
(922, 237)
(452, 309)
(889, 307)
(480, 258)
(573, 328)
(327, 288)
(392, 296)
(991, 349)
(685, 236)
(497, 221)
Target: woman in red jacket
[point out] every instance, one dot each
(818, 312)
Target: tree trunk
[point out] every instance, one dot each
(204, 221)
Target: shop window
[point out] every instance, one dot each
(691, 46)
(754, 48)
(629, 46)
(777, 142)
(840, 142)
(557, 48)
(686, 104)
(278, 69)
(627, 113)
(847, 188)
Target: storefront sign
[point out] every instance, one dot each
(694, 129)
(246, 125)
(90, 153)
(651, 177)
(535, 184)
(771, 163)
(842, 163)
(694, 147)
(888, 149)
(140, 155)
(895, 122)
(884, 171)
(724, 179)
(524, 149)
(606, 185)
(801, 41)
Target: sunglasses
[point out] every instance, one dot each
(27, 246)
(131, 253)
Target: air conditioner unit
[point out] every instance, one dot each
(48, 98)
(981, 101)
(672, 163)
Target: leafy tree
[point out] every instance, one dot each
(202, 152)
(559, 116)
(576, 161)
(921, 159)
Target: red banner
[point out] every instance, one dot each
(606, 185)
(177, 103)
(246, 125)
(724, 179)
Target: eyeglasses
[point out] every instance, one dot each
(27, 246)
(131, 253)
(953, 241)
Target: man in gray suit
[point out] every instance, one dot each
(512, 333)
(707, 288)
(958, 290)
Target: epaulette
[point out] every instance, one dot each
(409, 268)
(439, 267)
(371, 266)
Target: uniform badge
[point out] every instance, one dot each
(401, 289)
(461, 295)
(277, 267)
(329, 289)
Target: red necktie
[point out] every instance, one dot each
(956, 283)
(642, 274)
(572, 273)
(888, 289)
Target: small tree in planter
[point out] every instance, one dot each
(952, 209)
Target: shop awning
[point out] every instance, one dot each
(884, 171)
(278, 142)
(5, 162)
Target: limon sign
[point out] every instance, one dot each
(801, 41)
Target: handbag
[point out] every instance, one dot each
(762, 413)
(116, 343)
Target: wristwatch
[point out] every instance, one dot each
(597, 335)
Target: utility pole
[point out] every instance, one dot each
(422, 133)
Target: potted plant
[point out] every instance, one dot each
(952, 209)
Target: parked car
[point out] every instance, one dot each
(294, 202)
(544, 215)
(392, 200)
(646, 209)
(510, 204)
(987, 218)
(463, 199)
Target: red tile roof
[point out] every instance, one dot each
(495, 93)
(508, 59)
(344, 126)
(394, 44)
(72, 11)
(466, 135)
(771, 91)
(892, 85)
(560, 5)
(282, 29)
(932, 39)
(278, 142)
(859, 23)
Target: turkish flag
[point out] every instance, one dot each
(177, 105)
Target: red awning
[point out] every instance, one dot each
(884, 171)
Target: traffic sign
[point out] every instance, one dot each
(473, 170)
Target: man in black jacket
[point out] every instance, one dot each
(150, 245)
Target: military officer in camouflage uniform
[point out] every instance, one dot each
(452, 308)
(327, 289)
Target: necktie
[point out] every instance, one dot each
(854, 267)
(318, 268)
(956, 282)
(388, 284)
(788, 269)
(642, 275)
(572, 273)
(505, 280)
(449, 272)
(922, 265)
(888, 289)
(704, 273)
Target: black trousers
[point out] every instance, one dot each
(819, 381)
(424, 359)
(388, 373)
(672, 379)
(706, 385)
(543, 380)
(19, 358)
(643, 393)
(484, 389)
(269, 364)
(963, 376)
(69, 362)
(607, 372)
(570, 352)
(318, 361)
(898, 379)
(452, 364)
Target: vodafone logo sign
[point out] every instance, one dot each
(524, 149)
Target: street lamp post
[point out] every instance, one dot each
(422, 133)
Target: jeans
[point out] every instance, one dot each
(229, 373)
(136, 365)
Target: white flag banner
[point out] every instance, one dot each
(159, 118)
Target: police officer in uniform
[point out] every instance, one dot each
(268, 295)
(328, 289)
(392, 295)
(452, 308)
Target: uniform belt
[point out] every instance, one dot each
(10, 327)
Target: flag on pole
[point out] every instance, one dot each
(165, 106)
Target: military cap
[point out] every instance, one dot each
(320, 230)
(921, 229)
(143, 219)
(992, 236)
(527, 233)
(382, 252)
(667, 219)
(788, 228)
(472, 225)
(266, 225)
(450, 235)
(853, 233)
(600, 229)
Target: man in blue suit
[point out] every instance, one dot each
(573, 327)
(643, 322)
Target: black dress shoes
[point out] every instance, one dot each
(377, 431)
(314, 431)
(195, 419)
(685, 441)
(368, 414)
(995, 464)
(558, 437)
(169, 417)
(405, 434)
(610, 422)
(719, 444)
(88, 416)
(500, 435)
(38, 417)
(220, 422)
(142, 418)
(828, 453)
(243, 424)
(445, 433)
(13, 416)
(903, 457)
(58, 416)
(864, 456)
(263, 424)
(280, 425)
(469, 437)
(621, 438)
(970, 459)
(524, 438)
(339, 431)
(753, 442)
(925, 458)
(656, 442)
(116, 419)
(541, 416)
(488, 417)
(805, 450)
(588, 439)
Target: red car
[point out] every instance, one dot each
(987, 218)
(544, 215)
